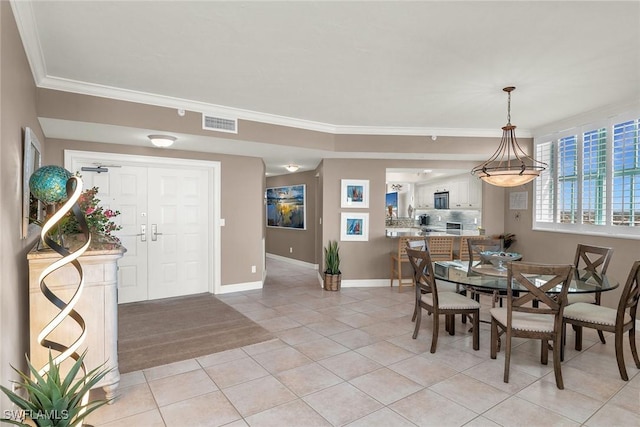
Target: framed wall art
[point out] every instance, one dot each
(355, 193)
(354, 226)
(31, 208)
(286, 206)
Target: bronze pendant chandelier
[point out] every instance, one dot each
(510, 165)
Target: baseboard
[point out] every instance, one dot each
(238, 287)
(292, 261)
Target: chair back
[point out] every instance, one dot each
(418, 244)
(594, 258)
(423, 275)
(403, 244)
(527, 275)
(630, 295)
(477, 245)
(440, 248)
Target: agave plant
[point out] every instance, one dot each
(332, 258)
(52, 400)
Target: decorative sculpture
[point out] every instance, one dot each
(46, 184)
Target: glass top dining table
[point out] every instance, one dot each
(487, 277)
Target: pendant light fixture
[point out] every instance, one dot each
(509, 166)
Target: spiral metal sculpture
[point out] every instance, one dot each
(73, 189)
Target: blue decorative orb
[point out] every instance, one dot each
(49, 184)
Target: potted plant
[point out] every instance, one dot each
(332, 274)
(52, 400)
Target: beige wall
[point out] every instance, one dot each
(553, 247)
(370, 260)
(17, 111)
(241, 202)
(279, 240)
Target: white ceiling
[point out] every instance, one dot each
(431, 67)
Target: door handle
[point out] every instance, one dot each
(143, 233)
(154, 232)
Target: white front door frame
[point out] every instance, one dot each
(114, 159)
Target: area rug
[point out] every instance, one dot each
(154, 333)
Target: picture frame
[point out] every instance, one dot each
(354, 226)
(354, 193)
(32, 160)
(286, 207)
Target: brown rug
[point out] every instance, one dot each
(154, 333)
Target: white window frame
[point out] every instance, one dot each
(606, 230)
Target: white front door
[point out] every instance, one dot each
(166, 226)
(178, 232)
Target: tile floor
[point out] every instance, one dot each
(347, 358)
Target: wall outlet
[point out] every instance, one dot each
(253, 268)
(290, 250)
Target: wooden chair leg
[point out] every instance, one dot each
(452, 324)
(393, 273)
(476, 330)
(418, 320)
(544, 352)
(556, 360)
(563, 340)
(601, 335)
(507, 356)
(620, 357)
(494, 338)
(634, 349)
(578, 345)
(434, 337)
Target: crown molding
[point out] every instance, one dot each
(26, 23)
(27, 27)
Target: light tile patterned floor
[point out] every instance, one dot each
(347, 358)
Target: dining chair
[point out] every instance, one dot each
(439, 303)
(620, 320)
(441, 248)
(463, 254)
(399, 257)
(520, 318)
(592, 258)
(474, 247)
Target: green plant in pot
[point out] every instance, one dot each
(332, 274)
(53, 400)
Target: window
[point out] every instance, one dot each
(592, 184)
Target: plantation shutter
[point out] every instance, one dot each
(626, 174)
(594, 176)
(544, 184)
(567, 194)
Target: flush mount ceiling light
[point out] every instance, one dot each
(162, 140)
(292, 167)
(509, 166)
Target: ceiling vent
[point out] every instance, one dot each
(219, 124)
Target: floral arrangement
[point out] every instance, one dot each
(507, 238)
(99, 220)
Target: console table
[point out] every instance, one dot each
(98, 305)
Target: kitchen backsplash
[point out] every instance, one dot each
(438, 218)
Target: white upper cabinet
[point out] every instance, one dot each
(465, 192)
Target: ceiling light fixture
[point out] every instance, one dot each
(292, 167)
(501, 169)
(162, 140)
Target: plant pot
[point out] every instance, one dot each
(332, 281)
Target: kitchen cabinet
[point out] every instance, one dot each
(465, 192)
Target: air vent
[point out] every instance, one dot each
(219, 124)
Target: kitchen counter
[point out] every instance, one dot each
(417, 232)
